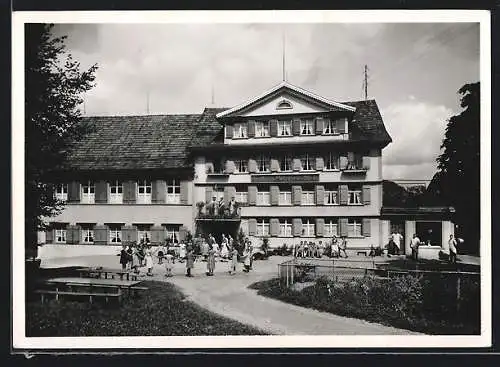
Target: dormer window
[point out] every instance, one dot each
(284, 104)
(240, 130)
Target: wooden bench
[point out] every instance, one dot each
(364, 252)
(58, 293)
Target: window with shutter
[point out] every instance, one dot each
(252, 227)
(229, 131)
(116, 192)
(101, 190)
(366, 227)
(366, 195)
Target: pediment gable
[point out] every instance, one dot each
(285, 99)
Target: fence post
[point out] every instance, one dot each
(458, 291)
(292, 274)
(287, 266)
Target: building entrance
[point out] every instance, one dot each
(217, 228)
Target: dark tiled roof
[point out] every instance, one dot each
(367, 122)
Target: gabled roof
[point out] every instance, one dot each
(285, 86)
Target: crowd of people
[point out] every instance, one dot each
(334, 248)
(135, 256)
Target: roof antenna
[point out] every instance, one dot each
(365, 82)
(284, 68)
(147, 101)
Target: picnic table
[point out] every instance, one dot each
(89, 287)
(99, 271)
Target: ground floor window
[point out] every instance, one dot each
(241, 197)
(354, 228)
(60, 235)
(285, 228)
(262, 227)
(172, 232)
(263, 198)
(87, 235)
(331, 228)
(308, 228)
(143, 233)
(115, 234)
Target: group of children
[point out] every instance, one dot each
(337, 246)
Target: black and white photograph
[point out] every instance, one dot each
(305, 179)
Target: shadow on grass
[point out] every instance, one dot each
(160, 311)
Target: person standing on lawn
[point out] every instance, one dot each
(396, 240)
(210, 261)
(452, 243)
(130, 256)
(189, 261)
(321, 249)
(335, 251)
(149, 260)
(234, 261)
(160, 253)
(414, 244)
(182, 252)
(124, 257)
(169, 260)
(343, 246)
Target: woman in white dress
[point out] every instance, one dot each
(182, 251)
(149, 260)
(224, 251)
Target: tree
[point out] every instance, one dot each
(457, 181)
(53, 89)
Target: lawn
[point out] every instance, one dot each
(160, 311)
(404, 302)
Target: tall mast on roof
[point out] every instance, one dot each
(284, 56)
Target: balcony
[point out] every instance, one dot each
(354, 168)
(218, 211)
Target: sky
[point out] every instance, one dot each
(414, 72)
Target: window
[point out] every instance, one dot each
(116, 192)
(241, 166)
(263, 227)
(285, 198)
(331, 197)
(306, 127)
(307, 162)
(240, 130)
(144, 189)
(285, 228)
(329, 127)
(307, 198)
(263, 198)
(143, 234)
(332, 161)
(331, 228)
(284, 128)
(354, 161)
(87, 235)
(173, 192)
(88, 192)
(172, 233)
(263, 164)
(62, 192)
(261, 129)
(308, 228)
(283, 105)
(218, 165)
(286, 164)
(354, 196)
(115, 234)
(354, 228)
(60, 235)
(241, 197)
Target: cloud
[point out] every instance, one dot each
(417, 129)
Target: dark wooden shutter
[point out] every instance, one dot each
(297, 227)
(320, 195)
(343, 227)
(69, 235)
(344, 194)
(296, 195)
(208, 194)
(274, 227)
(184, 194)
(74, 192)
(366, 194)
(157, 235)
(229, 131)
(366, 227)
(319, 125)
(296, 127)
(101, 235)
(274, 127)
(49, 235)
(182, 233)
(129, 192)
(77, 234)
(275, 195)
(252, 227)
(320, 226)
(101, 192)
(252, 195)
(341, 125)
(251, 128)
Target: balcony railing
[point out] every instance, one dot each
(218, 210)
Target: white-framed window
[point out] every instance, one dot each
(87, 235)
(354, 161)
(331, 228)
(285, 198)
(330, 127)
(263, 198)
(262, 129)
(307, 162)
(240, 130)
(172, 233)
(116, 192)
(144, 189)
(354, 197)
(286, 163)
(173, 191)
(60, 235)
(143, 234)
(241, 197)
(263, 164)
(284, 128)
(308, 228)
(353, 227)
(241, 166)
(332, 161)
(306, 127)
(115, 234)
(307, 198)
(88, 192)
(284, 105)
(285, 228)
(331, 197)
(262, 227)
(62, 192)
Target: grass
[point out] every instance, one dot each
(406, 302)
(160, 311)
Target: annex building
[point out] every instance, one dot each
(288, 165)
